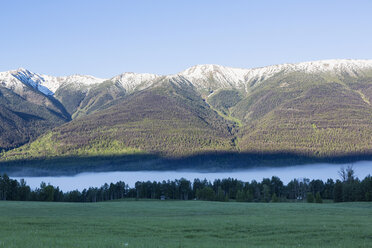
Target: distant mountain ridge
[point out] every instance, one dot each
(199, 75)
(319, 108)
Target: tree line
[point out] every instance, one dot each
(348, 188)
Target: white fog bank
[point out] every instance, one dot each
(286, 174)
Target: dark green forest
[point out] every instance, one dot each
(349, 188)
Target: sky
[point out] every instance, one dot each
(106, 38)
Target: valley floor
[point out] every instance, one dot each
(184, 224)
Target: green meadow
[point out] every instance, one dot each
(184, 224)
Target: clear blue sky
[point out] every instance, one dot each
(106, 38)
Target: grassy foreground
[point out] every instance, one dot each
(184, 224)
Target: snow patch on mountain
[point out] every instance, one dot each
(335, 66)
(82, 79)
(131, 81)
(34, 80)
(215, 76)
(177, 79)
(17, 80)
(352, 67)
(10, 82)
(77, 81)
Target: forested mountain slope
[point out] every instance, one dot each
(169, 119)
(26, 110)
(308, 114)
(315, 109)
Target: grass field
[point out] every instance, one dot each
(184, 224)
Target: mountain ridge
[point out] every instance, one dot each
(312, 109)
(230, 76)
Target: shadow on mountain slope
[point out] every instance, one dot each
(211, 162)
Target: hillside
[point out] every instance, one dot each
(26, 109)
(308, 114)
(318, 110)
(167, 120)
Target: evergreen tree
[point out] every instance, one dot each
(310, 197)
(274, 198)
(318, 198)
(337, 192)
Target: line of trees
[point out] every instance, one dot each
(349, 188)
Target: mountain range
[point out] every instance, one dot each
(315, 109)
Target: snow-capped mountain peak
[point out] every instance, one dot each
(8, 81)
(34, 80)
(81, 80)
(211, 77)
(334, 65)
(214, 76)
(320, 66)
(131, 81)
(18, 79)
(207, 77)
